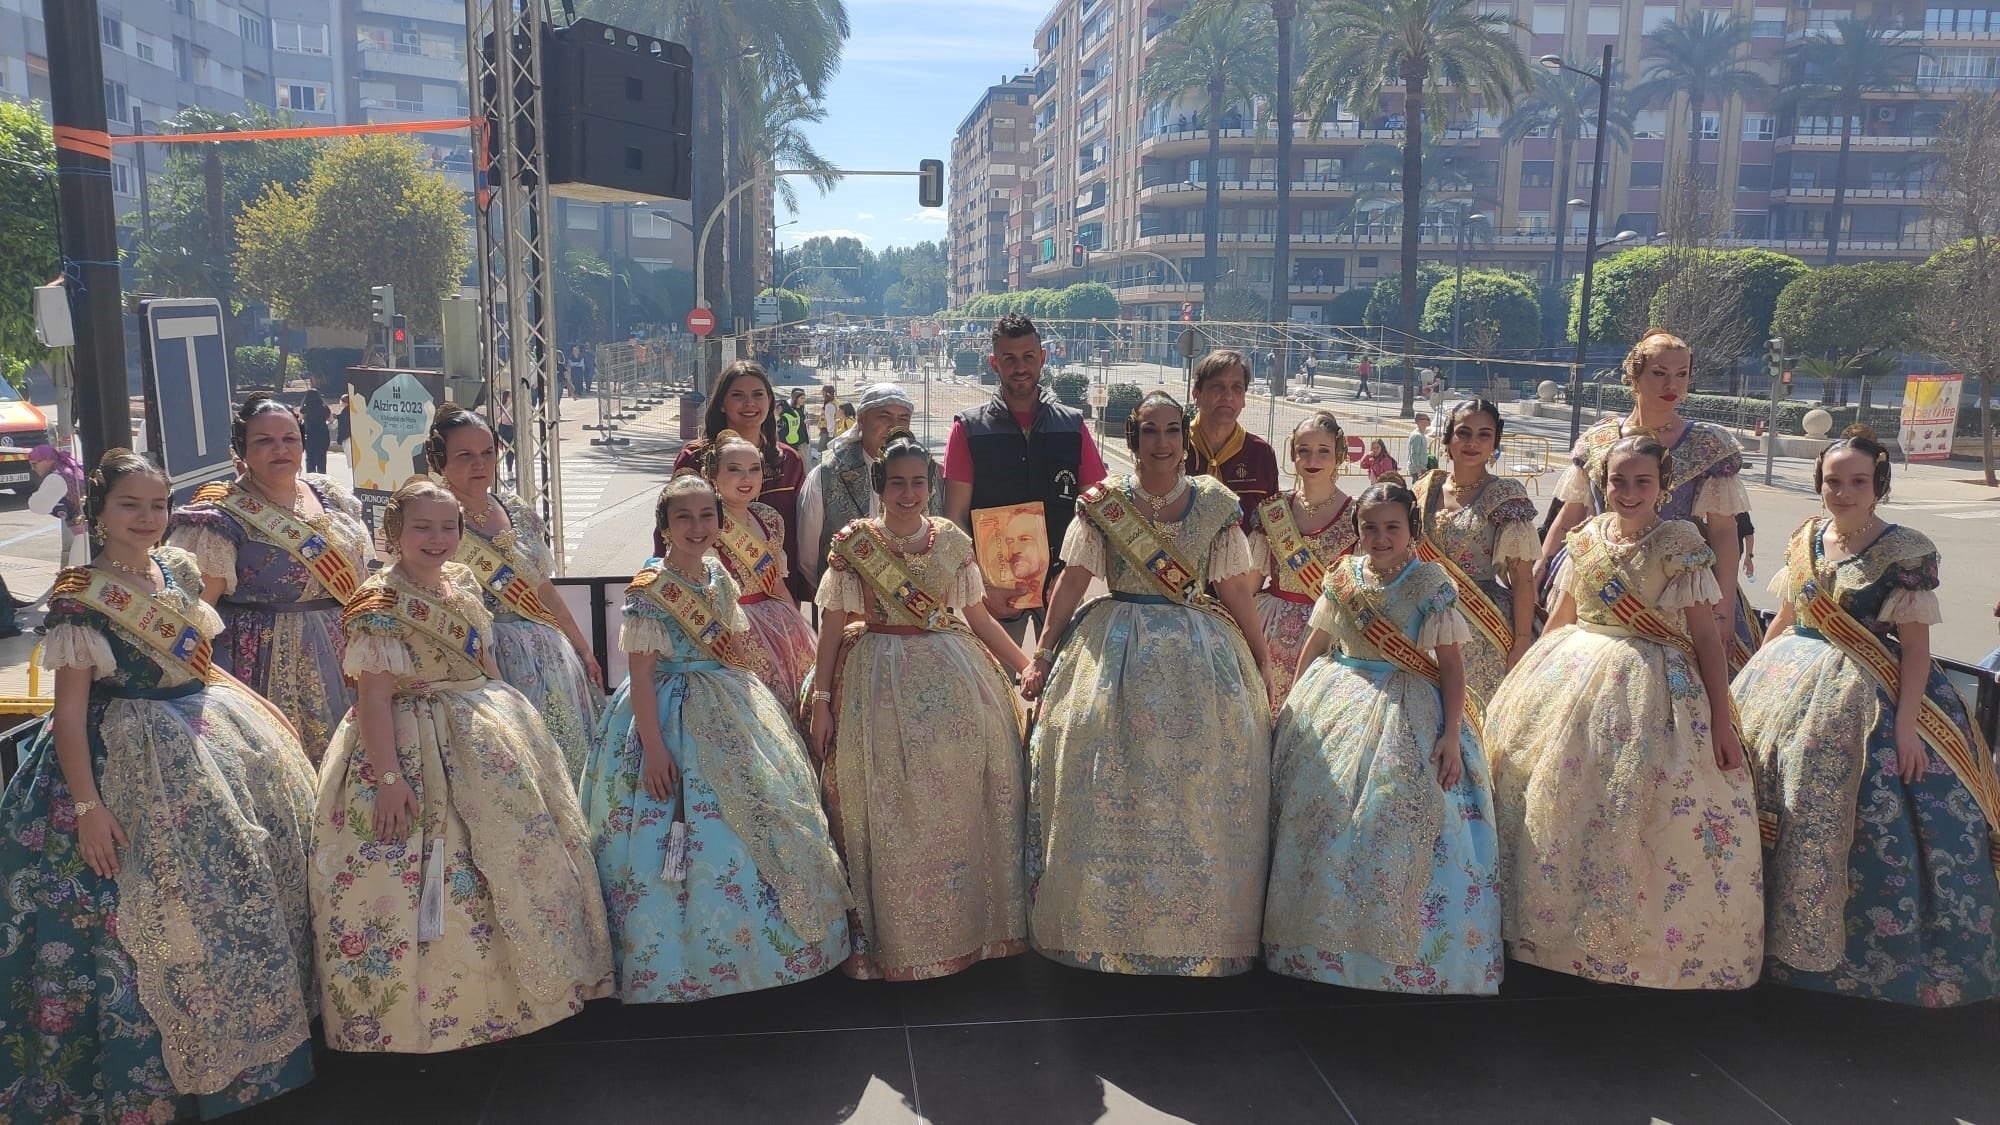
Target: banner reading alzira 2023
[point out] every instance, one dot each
(389, 416)
(1930, 416)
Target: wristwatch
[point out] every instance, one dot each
(84, 807)
(388, 779)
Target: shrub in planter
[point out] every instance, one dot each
(255, 365)
(1119, 400)
(966, 361)
(1071, 387)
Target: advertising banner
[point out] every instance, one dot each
(1930, 416)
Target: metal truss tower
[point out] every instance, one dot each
(513, 212)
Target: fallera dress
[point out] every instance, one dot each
(1484, 536)
(1877, 887)
(1285, 604)
(281, 626)
(1707, 481)
(181, 988)
(1626, 854)
(765, 901)
(776, 624)
(534, 656)
(1381, 878)
(925, 785)
(515, 938)
(1150, 779)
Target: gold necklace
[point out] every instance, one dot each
(441, 591)
(1629, 429)
(485, 512)
(296, 505)
(1611, 534)
(134, 571)
(1308, 506)
(1368, 565)
(697, 580)
(1159, 504)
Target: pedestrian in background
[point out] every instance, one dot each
(316, 425)
(61, 492)
(1363, 371)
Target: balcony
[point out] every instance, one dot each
(1854, 195)
(389, 110)
(414, 62)
(440, 11)
(1830, 142)
(1957, 83)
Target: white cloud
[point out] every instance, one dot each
(863, 216)
(927, 215)
(832, 232)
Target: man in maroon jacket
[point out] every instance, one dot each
(1217, 444)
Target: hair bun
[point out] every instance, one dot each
(685, 471)
(1860, 430)
(1392, 478)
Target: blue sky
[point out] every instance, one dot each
(911, 72)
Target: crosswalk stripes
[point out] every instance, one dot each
(584, 480)
(1948, 509)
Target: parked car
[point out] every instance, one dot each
(23, 426)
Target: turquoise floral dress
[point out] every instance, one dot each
(181, 988)
(765, 903)
(1877, 887)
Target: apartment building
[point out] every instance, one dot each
(408, 63)
(1123, 177)
(990, 154)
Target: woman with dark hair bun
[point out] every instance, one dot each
(281, 552)
(744, 400)
(157, 956)
(1881, 877)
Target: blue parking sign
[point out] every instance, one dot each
(188, 392)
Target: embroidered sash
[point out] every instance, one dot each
(1133, 537)
(490, 566)
(1289, 545)
(165, 632)
(751, 559)
(1384, 634)
(1819, 610)
(1479, 609)
(340, 575)
(430, 617)
(690, 610)
(862, 546)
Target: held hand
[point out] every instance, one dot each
(658, 774)
(821, 729)
(98, 837)
(1728, 751)
(1034, 680)
(395, 811)
(1911, 757)
(1445, 758)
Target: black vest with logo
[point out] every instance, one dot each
(1012, 467)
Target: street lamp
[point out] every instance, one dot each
(1602, 76)
(1458, 274)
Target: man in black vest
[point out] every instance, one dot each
(1022, 446)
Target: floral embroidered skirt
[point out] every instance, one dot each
(1380, 878)
(927, 793)
(1149, 794)
(290, 656)
(537, 660)
(81, 1011)
(520, 940)
(1286, 625)
(729, 925)
(1626, 854)
(782, 632)
(1877, 887)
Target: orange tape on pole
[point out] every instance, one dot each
(301, 132)
(89, 142)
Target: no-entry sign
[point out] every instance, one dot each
(701, 321)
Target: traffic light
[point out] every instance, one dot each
(930, 183)
(1077, 256)
(399, 330)
(382, 304)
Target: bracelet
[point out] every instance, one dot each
(1046, 653)
(822, 697)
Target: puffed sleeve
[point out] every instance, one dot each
(840, 588)
(376, 646)
(1326, 614)
(212, 538)
(1083, 546)
(1229, 556)
(1722, 494)
(1260, 551)
(1780, 586)
(1513, 521)
(967, 586)
(1441, 623)
(1689, 566)
(1573, 486)
(76, 640)
(1913, 597)
(642, 627)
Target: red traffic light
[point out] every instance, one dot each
(400, 334)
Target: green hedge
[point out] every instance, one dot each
(1119, 399)
(256, 365)
(1070, 387)
(966, 361)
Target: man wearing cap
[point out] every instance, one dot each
(838, 489)
(1022, 446)
(1218, 445)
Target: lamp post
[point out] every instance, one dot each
(1602, 76)
(1458, 273)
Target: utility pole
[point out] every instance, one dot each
(89, 231)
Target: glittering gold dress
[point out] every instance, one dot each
(1149, 800)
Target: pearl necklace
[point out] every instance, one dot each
(1159, 504)
(697, 580)
(133, 571)
(903, 544)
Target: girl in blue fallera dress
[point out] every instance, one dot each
(155, 941)
(719, 873)
(1384, 874)
(1880, 879)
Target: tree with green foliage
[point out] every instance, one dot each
(1385, 300)
(373, 212)
(1089, 300)
(1765, 274)
(1960, 311)
(1621, 294)
(791, 305)
(1706, 55)
(1348, 309)
(1456, 47)
(1839, 67)
(1227, 50)
(1236, 304)
(1850, 315)
(1503, 300)
(768, 116)
(27, 230)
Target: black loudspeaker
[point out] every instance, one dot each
(619, 109)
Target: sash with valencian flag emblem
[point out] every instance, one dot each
(1479, 609)
(1132, 536)
(1289, 545)
(491, 569)
(751, 559)
(1345, 584)
(285, 530)
(861, 546)
(164, 631)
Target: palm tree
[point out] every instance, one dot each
(768, 117)
(1562, 105)
(1701, 57)
(1225, 49)
(1857, 58)
(1449, 45)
